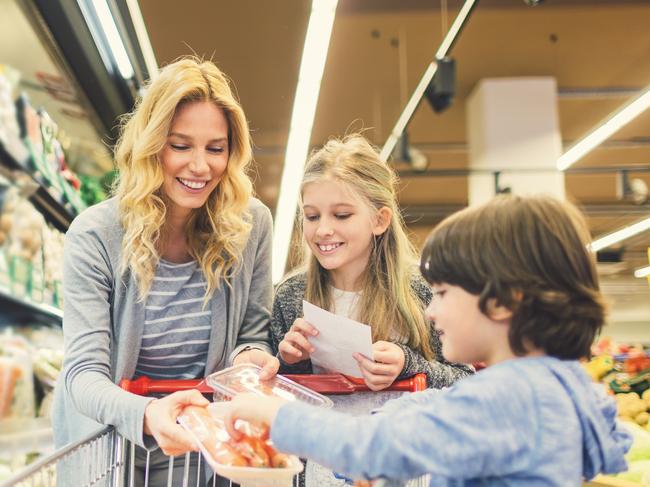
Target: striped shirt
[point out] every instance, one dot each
(177, 327)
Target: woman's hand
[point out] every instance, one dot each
(160, 421)
(295, 346)
(265, 360)
(250, 407)
(388, 364)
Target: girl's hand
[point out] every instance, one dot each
(295, 346)
(268, 362)
(388, 364)
(160, 421)
(250, 407)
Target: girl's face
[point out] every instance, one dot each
(339, 229)
(467, 335)
(195, 155)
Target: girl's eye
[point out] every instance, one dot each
(311, 218)
(343, 216)
(215, 150)
(179, 147)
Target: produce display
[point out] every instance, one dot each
(624, 370)
(34, 157)
(31, 358)
(31, 252)
(47, 158)
(43, 146)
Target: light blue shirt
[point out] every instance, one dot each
(529, 421)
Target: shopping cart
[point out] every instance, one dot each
(106, 459)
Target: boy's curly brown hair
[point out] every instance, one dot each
(531, 255)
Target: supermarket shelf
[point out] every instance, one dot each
(14, 157)
(23, 309)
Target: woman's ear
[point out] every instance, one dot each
(382, 220)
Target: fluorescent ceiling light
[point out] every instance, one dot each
(455, 29)
(98, 11)
(642, 272)
(143, 38)
(606, 129)
(615, 237)
(413, 102)
(312, 64)
(410, 107)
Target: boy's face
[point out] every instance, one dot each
(467, 335)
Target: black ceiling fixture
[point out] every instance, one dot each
(440, 91)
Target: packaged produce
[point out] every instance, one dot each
(17, 397)
(10, 373)
(251, 461)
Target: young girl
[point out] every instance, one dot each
(515, 287)
(360, 265)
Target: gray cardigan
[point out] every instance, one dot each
(103, 322)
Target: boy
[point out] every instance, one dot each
(515, 287)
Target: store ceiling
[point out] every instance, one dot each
(598, 51)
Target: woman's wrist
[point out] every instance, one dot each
(145, 421)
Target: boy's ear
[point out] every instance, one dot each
(382, 220)
(498, 312)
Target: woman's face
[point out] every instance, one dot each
(195, 155)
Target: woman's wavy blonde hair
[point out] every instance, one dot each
(388, 301)
(218, 231)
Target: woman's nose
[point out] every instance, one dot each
(199, 163)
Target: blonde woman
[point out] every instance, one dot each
(359, 264)
(170, 278)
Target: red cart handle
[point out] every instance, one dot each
(416, 383)
(145, 386)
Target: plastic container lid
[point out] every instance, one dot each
(229, 382)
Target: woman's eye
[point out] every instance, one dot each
(311, 218)
(215, 150)
(178, 147)
(343, 216)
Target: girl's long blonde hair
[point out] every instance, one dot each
(218, 231)
(388, 301)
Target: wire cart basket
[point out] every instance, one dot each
(106, 459)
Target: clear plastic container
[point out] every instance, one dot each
(246, 378)
(209, 433)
